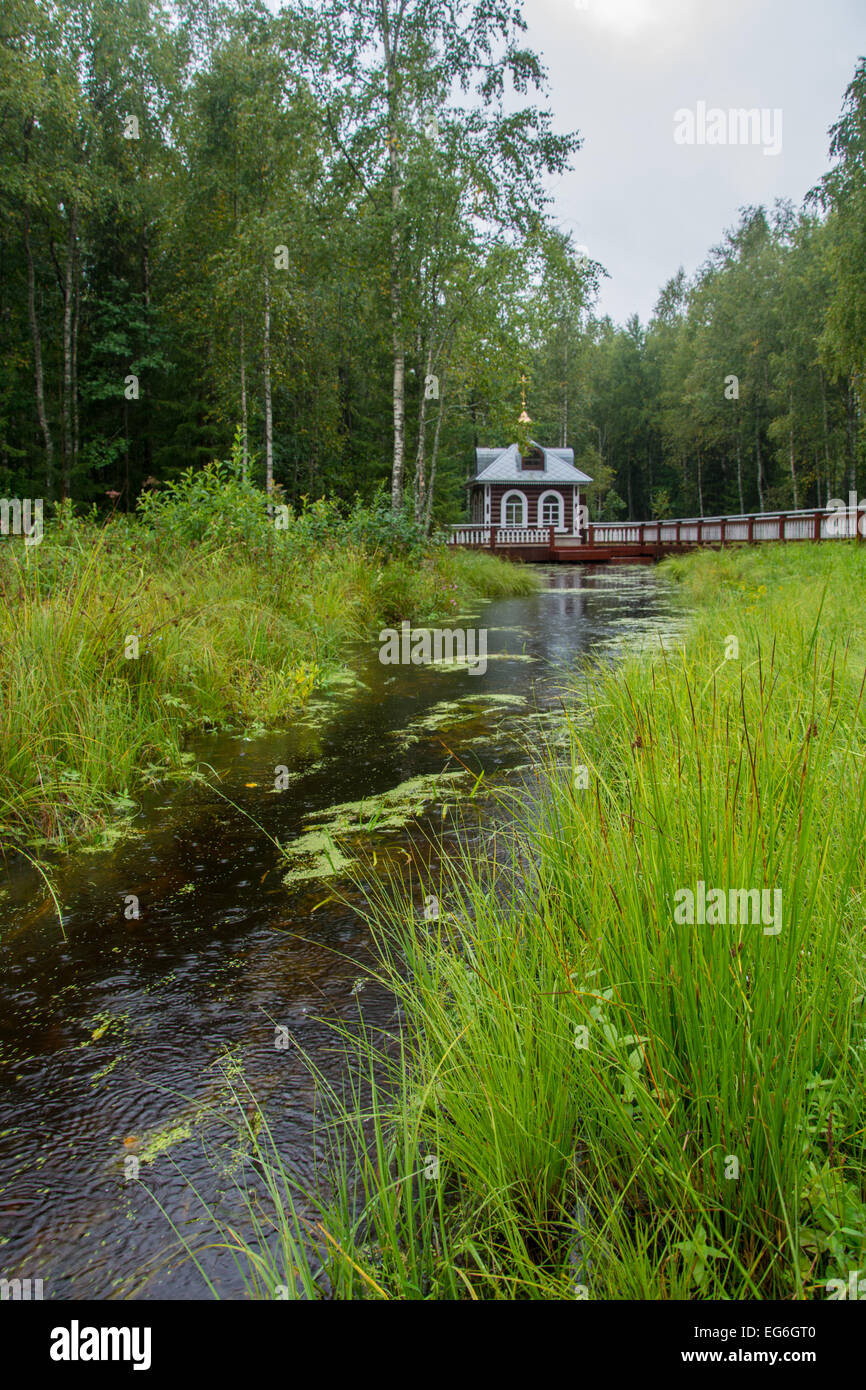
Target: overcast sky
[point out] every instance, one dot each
(643, 204)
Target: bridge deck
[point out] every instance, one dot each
(643, 542)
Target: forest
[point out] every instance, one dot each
(339, 966)
(326, 237)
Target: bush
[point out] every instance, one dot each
(208, 505)
(378, 527)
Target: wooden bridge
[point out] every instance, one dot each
(642, 542)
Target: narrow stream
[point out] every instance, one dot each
(124, 1040)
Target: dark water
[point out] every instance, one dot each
(126, 1040)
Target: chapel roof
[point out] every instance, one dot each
(503, 466)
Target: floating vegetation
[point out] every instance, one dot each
(642, 636)
(289, 778)
(342, 678)
(320, 852)
(317, 856)
(108, 837)
(460, 663)
(104, 1071)
(166, 1138)
(105, 1022)
(501, 698)
(216, 1107)
(449, 714)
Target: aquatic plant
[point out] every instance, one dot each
(589, 1098)
(118, 639)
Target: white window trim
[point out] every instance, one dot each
(512, 493)
(552, 492)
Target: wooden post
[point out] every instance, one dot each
(700, 531)
(553, 542)
(678, 535)
(751, 530)
(492, 537)
(816, 527)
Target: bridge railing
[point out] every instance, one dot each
(805, 525)
(816, 524)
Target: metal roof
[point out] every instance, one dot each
(503, 466)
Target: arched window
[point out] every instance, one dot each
(550, 509)
(514, 509)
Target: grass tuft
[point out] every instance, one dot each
(592, 1097)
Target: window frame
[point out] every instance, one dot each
(513, 495)
(552, 496)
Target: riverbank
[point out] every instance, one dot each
(632, 1060)
(121, 1033)
(118, 639)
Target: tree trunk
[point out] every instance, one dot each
(76, 319)
(850, 436)
(740, 463)
(269, 422)
(37, 360)
(565, 396)
(126, 449)
(791, 447)
(244, 431)
(146, 413)
(68, 296)
(399, 391)
(759, 464)
(428, 515)
(398, 350)
(829, 481)
(420, 489)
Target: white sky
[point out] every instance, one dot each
(639, 202)
(642, 204)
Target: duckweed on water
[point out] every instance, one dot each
(447, 714)
(164, 1139)
(460, 665)
(318, 853)
(215, 1107)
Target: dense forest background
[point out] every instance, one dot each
(320, 241)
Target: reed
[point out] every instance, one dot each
(609, 1102)
(118, 640)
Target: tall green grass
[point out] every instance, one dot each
(230, 632)
(621, 1105)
